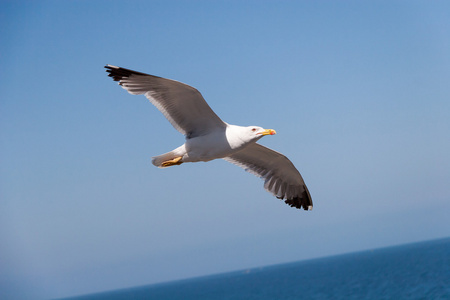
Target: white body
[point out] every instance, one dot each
(217, 144)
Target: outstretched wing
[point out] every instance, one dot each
(180, 103)
(281, 178)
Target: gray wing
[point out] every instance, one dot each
(281, 178)
(180, 103)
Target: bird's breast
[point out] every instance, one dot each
(209, 147)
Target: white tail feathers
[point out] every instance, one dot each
(158, 160)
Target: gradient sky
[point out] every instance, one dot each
(358, 91)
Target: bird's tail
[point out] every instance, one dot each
(158, 160)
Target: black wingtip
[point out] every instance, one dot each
(118, 73)
(115, 73)
(303, 201)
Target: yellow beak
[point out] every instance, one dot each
(267, 132)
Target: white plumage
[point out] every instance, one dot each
(208, 137)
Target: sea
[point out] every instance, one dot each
(413, 271)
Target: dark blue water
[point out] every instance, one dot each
(414, 271)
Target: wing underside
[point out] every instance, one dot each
(180, 103)
(281, 178)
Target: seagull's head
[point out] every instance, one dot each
(256, 132)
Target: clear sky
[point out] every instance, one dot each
(358, 91)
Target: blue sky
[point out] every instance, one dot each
(358, 92)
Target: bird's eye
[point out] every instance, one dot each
(253, 129)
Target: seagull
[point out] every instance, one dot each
(208, 137)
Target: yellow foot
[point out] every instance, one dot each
(172, 162)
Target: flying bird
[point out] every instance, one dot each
(208, 137)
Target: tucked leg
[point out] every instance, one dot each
(173, 162)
